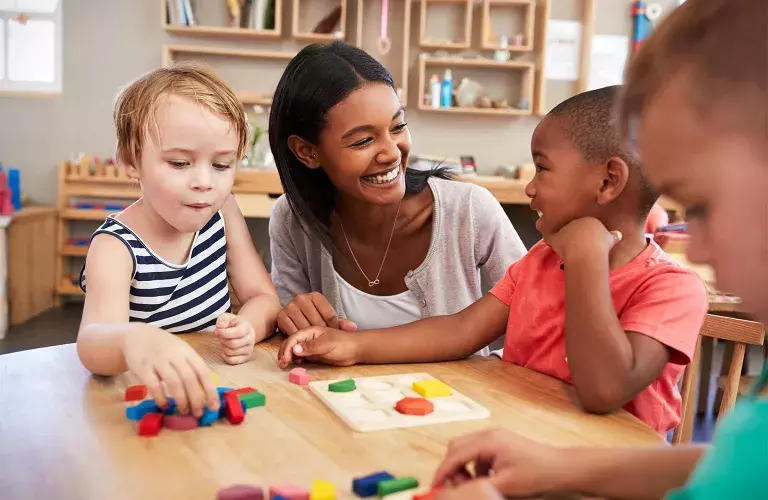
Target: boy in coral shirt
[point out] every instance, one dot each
(595, 304)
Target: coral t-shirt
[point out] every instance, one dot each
(652, 295)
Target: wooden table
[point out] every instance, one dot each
(63, 433)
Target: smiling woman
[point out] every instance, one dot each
(358, 235)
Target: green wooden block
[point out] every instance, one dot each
(342, 386)
(253, 399)
(395, 485)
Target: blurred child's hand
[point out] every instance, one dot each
(168, 366)
(481, 489)
(237, 338)
(586, 236)
(311, 309)
(514, 465)
(320, 344)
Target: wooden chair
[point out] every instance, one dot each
(740, 332)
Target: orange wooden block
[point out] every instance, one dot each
(430, 495)
(415, 406)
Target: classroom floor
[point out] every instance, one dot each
(59, 326)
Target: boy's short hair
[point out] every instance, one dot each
(721, 46)
(589, 123)
(136, 103)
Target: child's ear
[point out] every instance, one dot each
(130, 170)
(304, 151)
(615, 180)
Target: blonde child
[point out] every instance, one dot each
(696, 107)
(164, 265)
(595, 304)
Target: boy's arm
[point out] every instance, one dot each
(248, 276)
(440, 338)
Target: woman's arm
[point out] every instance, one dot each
(248, 276)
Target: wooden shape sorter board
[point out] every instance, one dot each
(371, 406)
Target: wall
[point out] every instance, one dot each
(109, 42)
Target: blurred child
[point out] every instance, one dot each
(595, 304)
(696, 105)
(164, 265)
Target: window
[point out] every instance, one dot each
(30, 46)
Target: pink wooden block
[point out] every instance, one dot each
(180, 422)
(289, 492)
(240, 492)
(298, 376)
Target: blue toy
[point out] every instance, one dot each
(14, 184)
(367, 486)
(137, 412)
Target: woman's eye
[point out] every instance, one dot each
(362, 142)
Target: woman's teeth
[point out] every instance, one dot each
(383, 178)
(538, 212)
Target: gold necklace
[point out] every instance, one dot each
(376, 281)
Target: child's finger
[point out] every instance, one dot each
(191, 385)
(205, 378)
(347, 325)
(286, 349)
(174, 386)
(225, 320)
(237, 343)
(149, 378)
(319, 346)
(236, 360)
(234, 332)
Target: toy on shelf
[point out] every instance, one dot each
(643, 17)
(6, 204)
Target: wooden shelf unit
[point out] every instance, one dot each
(527, 90)
(305, 36)
(528, 24)
(222, 31)
(424, 41)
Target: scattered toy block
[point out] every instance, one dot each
(298, 376)
(431, 388)
(240, 492)
(322, 490)
(390, 486)
(136, 392)
(288, 492)
(150, 424)
(415, 406)
(209, 417)
(180, 422)
(171, 409)
(138, 411)
(114, 207)
(233, 408)
(253, 399)
(243, 390)
(343, 386)
(430, 495)
(368, 486)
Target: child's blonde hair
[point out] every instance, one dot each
(720, 45)
(136, 103)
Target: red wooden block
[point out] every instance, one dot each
(180, 422)
(430, 495)
(136, 393)
(233, 408)
(242, 390)
(289, 492)
(241, 492)
(150, 424)
(415, 406)
(298, 376)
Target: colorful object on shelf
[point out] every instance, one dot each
(643, 17)
(14, 184)
(384, 44)
(446, 91)
(6, 205)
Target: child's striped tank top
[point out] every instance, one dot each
(178, 298)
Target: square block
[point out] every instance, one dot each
(431, 388)
(299, 376)
(288, 492)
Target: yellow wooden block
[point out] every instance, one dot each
(322, 490)
(215, 378)
(431, 388)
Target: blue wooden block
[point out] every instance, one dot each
(209, 417)
(137, 412)
(367, 486)
(171, 409)
(222, 390)
(113, 207)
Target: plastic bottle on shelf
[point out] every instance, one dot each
(434, 91)
(446, 94)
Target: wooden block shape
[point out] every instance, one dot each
(414, 406)
(289, 492)
(429, 495)
(209, 417)
(342, 386)
(298, 376)
(180, 422)
(240, 492)
(233, 408)
(150, 424)
(322, 490)
(253, 399)
(431, 389)
(136, 392)
(368, 486)
(138, 411)
(395, 485)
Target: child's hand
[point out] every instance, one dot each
(586, 236)
(168, 365)
(237, 338)
(311, 309)
(320, 344)
(481, 489)
(516, 466)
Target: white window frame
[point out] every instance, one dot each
(26, 87)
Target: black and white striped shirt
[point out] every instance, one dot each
(178, 298)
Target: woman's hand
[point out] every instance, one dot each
(311, 309)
